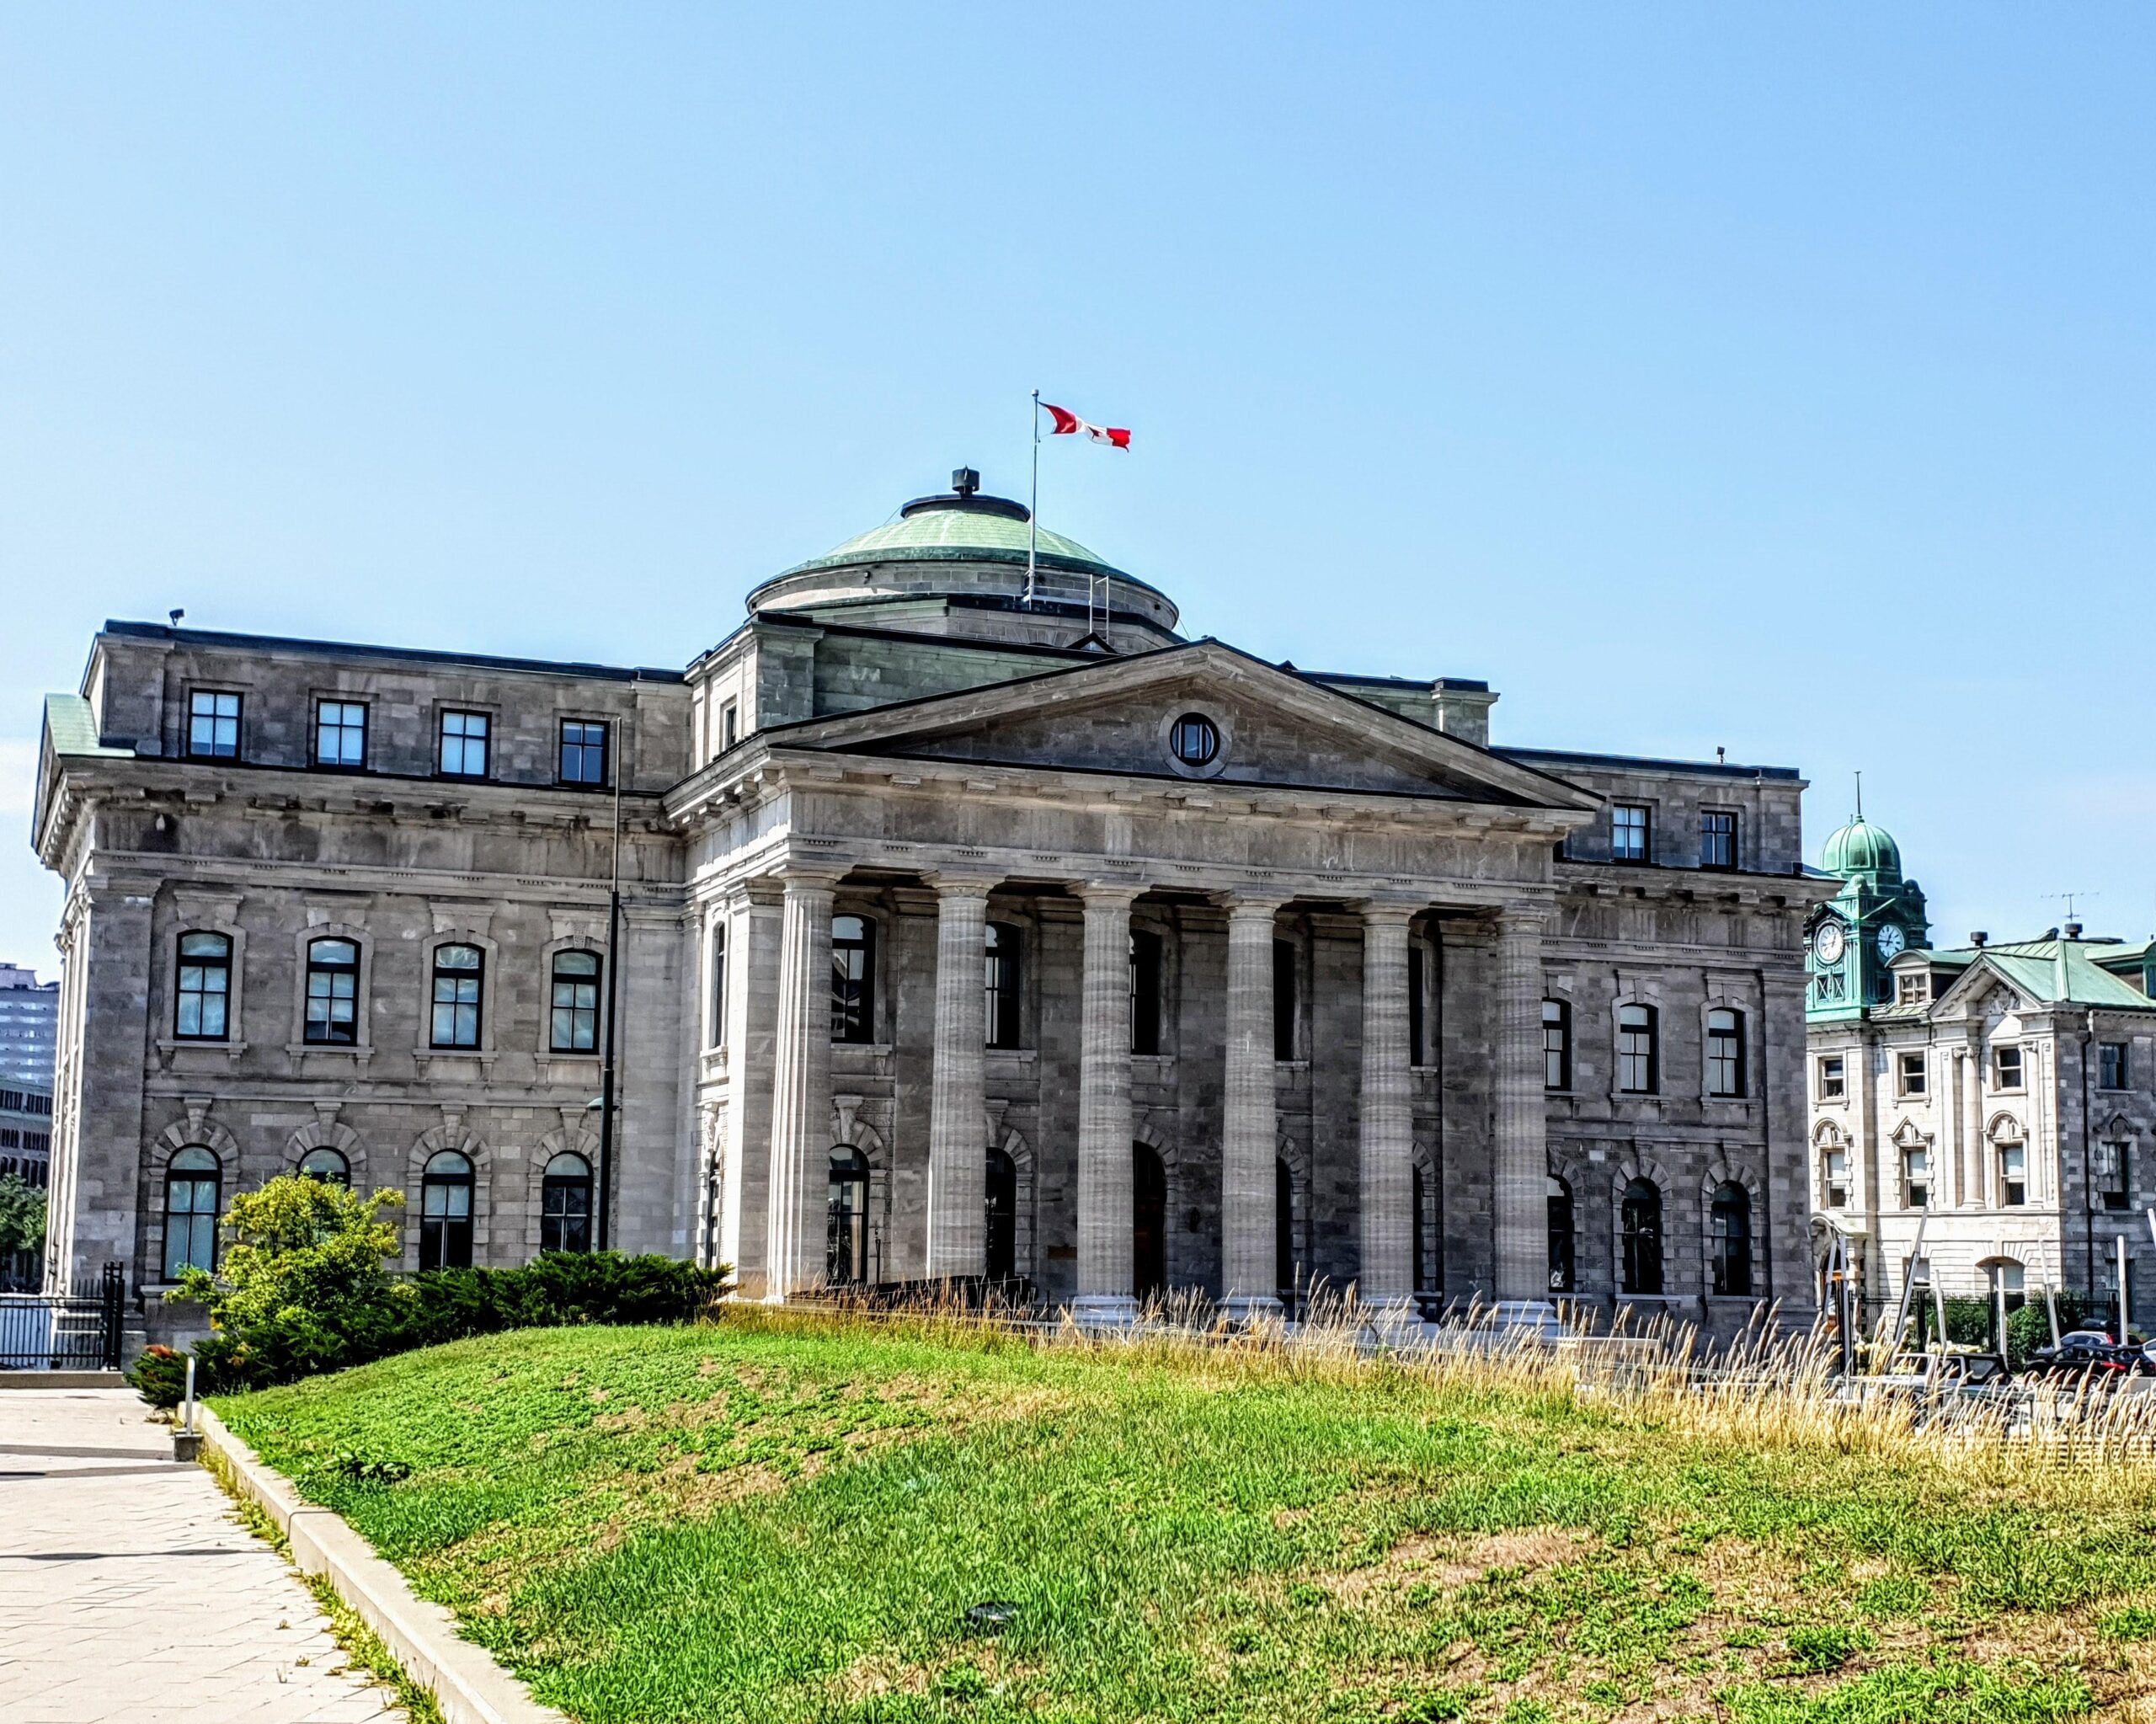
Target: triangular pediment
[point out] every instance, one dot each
(1273, 728)
(1974, 989)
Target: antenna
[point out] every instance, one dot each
(2068, 898)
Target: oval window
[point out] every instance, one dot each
(1195, 739)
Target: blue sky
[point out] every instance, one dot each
(1776, 379)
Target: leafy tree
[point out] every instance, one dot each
(22, 1215)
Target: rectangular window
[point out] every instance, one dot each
(333, 987)
(717, 1036)
(1911, 990)
(204, 993)
(2006, 1068)
(2110, 1176)
(1833, 1080)
(1910, 1074)
(340, 734)
(2111, 1066)
(853, 978)
(2013, 1175)
(1837, 1171)
(1556, 1045)
(1718, 839)
(1417, 1054)
(729, 724)
(1001, 1006)
(1916, 1178)
(212, 725)
(1629, 833)
(459, 980)
(573, 1008)
(1726, 1054)
(1145, 967)
(584, 751)
(1638, 1056)
(464, 737)
(1283, 999)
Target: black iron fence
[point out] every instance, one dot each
(61, 1331)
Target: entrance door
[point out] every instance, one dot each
(1002, 1216)
(1148, 1222)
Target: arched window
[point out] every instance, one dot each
(1833, 1170)
(565, 1205)
(1725, 1053)
(1640, 1219)
(1002, 1194)
(328, 1166)
(574, 1013)
(1639, 1054)
(1148, 1222)
(2013, 1166)
(1731, 1219)
(200, 1009)
(1556, 1045)
(853, 978)
(846, 1258)
(1563, 1278)
(715, 1034)
(1002, 1017)
(191, 1181)
(1144, 991)
(333, 993)
(460, 986)
(1283, 999)
(445, 1211)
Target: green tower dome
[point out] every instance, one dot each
(1862, 848)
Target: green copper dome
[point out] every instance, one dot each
(960, 526)
(1862, 848)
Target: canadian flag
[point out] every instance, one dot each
(1069, 424)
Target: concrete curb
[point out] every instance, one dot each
(466, 1684)
(61, 1379)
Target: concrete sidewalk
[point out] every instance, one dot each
(130, 1591)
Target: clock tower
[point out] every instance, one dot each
(1853, 937)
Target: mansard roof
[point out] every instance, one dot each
(2052, 972)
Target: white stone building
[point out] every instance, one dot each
(968, 932)
(2001, 1095)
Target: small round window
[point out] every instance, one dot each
(1196, 740)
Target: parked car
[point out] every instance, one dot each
(2089, 1353)
(1929, 1375)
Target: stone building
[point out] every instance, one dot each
(2003, 1095)
(975, 923)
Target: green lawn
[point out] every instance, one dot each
(760, 1521)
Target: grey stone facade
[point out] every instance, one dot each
(917, 732)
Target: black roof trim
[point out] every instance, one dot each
(1709, 767)
(358, 650)
(1464, 684)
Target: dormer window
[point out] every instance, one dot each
(1912, 988)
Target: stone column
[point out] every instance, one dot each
(1976, 1161)
(1521, 1184)
(1105, 1221)
(795, 1234)
(1388, 1114)
(957, 1152)
(1249, 1193)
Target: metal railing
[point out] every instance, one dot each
(49, 1331)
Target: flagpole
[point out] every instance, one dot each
(1033, 514)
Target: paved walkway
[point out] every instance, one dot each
(130, 1591)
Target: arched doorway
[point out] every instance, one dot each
(846, 1257)
(1002, 1216)
(1148, 1222)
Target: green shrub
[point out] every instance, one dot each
(305, 1288)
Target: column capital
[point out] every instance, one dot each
(812, 876)
(955, 883)
(1521, 916)
(1243, 905)
(1107, 894)
(1388, 909)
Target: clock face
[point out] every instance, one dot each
(1891, 940)
(1827, 943)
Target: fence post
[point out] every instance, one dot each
(114, 1292)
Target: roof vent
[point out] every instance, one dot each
(2051, 933)
(2074, 931)
(1979, 939)
(965, 481)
